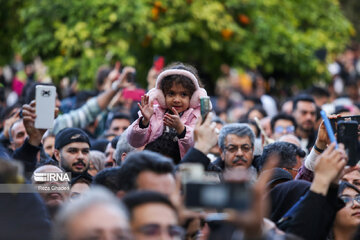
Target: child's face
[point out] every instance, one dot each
(177, 97)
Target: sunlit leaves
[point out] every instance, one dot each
(76, 37)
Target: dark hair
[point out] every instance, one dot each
(256, 108)
(282, 116)
(317, 112)
(99, 145)
(253, 99)
(343, 185)
(252, 123)
(135, 199)
(29, 91)
(114, 141)
(341, 109)
(317, 91)
(101, 75)
(6, 112)
(302, 98)
(168, 81)
(137, 162)
(108, 178)
(120, 116)
(83, 178)
(287, 153)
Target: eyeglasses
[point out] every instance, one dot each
(280, 129)
(154, 230)
(348, 199)
(234, 148)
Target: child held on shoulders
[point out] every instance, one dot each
(167, 126)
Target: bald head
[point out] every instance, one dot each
(290, 138)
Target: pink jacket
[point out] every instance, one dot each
(139, 137)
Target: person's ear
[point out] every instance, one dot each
(123, 155)
(57, 155)
(222, 154)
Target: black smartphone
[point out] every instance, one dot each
(130, 77)
(347, 133)
(345, 118)
(218, 195)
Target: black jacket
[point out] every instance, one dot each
(313, 216)
(27, 154)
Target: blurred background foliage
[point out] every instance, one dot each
(289, 40)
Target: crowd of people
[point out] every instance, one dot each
(133, 155)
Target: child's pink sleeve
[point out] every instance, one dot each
(136, 136)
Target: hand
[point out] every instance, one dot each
(29, 116)
(205, 135)
(251, 221)
(117, 78)
(115, 73)
(174, 121)
(322, 139)
(10, 121)
(328, 168)
(123, 82)
(146, 108)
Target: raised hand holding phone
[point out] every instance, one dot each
(45, 106)
(329, 129)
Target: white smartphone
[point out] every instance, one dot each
(45, 106)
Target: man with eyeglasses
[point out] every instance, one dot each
(152, 216)
(236, 142)
(282, 124)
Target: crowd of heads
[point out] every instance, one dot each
(126, 149)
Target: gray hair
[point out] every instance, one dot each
(122, 146)
(98, 159)
(239, 129)
(95, 196)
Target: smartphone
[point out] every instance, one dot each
(133, 94)
(218, 195)
(347, 133)
(130, 77)
(45, 106)
(345, 118)
(191, 172)
(205, 107)
(159, 62)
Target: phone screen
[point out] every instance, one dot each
(45, 106)
(347, 133)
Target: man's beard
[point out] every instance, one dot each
(307, 130)
(68, 168)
